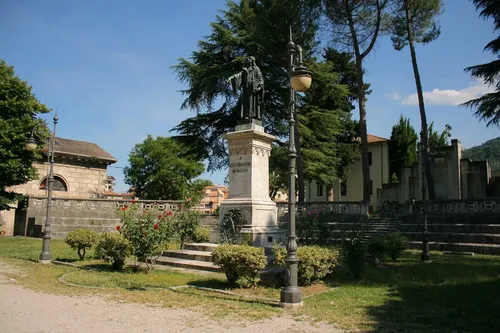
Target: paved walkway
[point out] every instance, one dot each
(25, 311)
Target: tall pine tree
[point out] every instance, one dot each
(487, 107)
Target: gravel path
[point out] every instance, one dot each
(25, 311)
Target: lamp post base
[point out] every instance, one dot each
(291, 297)
(44, 261)
(291, 305)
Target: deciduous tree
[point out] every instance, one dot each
(19, 110)
(160, 169)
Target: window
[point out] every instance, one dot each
(369, 158)
(57, 185)
(371, 187)
(319, 190)
(343, 189)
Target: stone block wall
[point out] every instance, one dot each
(83, 179)
(73, 213)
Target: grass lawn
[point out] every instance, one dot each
(450, 294)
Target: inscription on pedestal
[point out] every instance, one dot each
(239, 167)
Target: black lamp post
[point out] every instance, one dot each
(425, 257)
(300, 80)
(45, 256)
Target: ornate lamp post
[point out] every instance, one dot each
(300, 81)
(425, 235)
(45, 256)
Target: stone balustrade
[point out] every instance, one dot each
(339, 210)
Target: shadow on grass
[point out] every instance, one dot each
(451, 294)
(210, 283)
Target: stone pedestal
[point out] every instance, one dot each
(249, 151)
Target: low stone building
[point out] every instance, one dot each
(79, 172)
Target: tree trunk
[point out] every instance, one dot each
(363, 133)
(423, 117)
(300, 164)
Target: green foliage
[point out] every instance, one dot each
(353, 254)
(438, 141)
(186, 225)
(201, 235)
(245, 28)
(487, 107)
(115, 246)
(240, 262)
(315, 264)
(230, 226)
(81, 240)
(490, 150)
(357, 25)
(420, 16)
(326, 131)
(148, 235)
(403, 146)
(377, 247)
(161, 169)
(19, 109)
(396, 244)
(278, 166)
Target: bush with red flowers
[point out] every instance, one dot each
(147, 233)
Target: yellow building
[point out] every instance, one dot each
(378, 159)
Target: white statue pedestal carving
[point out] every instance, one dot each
(249, 151)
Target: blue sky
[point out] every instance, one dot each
(105, 66)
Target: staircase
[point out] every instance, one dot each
(470, 237)
(196, 256)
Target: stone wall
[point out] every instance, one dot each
(84, 179)
(74, 213)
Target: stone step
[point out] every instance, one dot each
(475, 238)
(492, 249)
(189, 264)
(189, 255)
(207, 247)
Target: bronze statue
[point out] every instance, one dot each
(251, 82)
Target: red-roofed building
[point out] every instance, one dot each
(214, 195)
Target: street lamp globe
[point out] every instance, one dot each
(31, 144)
(301, 79)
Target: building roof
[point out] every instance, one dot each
(82, 149)
(374, 139)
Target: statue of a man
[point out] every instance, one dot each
(251, 82)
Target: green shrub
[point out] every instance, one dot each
(352, 253)
(115, 246)
(396, 244)
(148, 234)
(201, 235)
(240, 262)
(186, 224)
(377, 247)
(81, 240)
(315, 264)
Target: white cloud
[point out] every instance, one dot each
(447, 96)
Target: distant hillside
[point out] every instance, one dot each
(490, 150)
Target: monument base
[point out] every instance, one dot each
(259, 236)
(260, 218)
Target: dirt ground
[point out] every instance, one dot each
(25, 311)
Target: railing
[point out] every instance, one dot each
(352, 209)
(77, 204)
